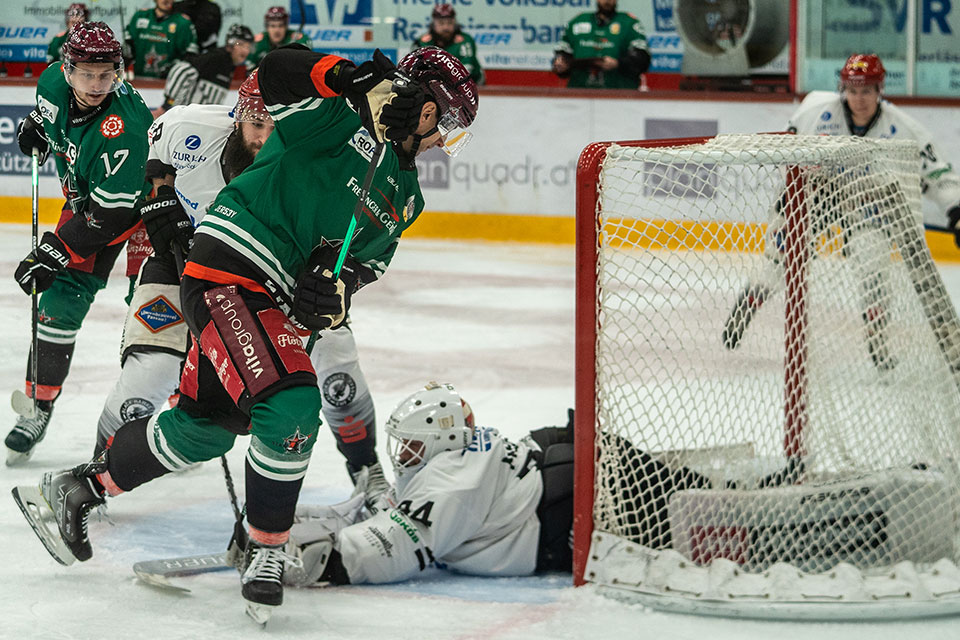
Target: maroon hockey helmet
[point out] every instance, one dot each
(862, 70)
(443, 11)
(250, 105)
(445, 80)
(276, 14)
(77, 10)
(92, 42)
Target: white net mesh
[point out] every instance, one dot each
(777, 366)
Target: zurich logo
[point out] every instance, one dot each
(826, 115)
(192, 142)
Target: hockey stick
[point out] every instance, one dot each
(23, 404)
(348, 238)
(157, 573)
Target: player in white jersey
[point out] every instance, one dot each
(858, 109)
(195, 150)
(469, 500)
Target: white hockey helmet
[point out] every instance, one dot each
(430, 421)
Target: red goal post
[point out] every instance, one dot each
(844, 380)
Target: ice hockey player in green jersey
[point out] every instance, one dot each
(96, 126)
(276, 33)
(76, 13)
(446, 33)
(606, 49)
(264, 258)
(156, 38)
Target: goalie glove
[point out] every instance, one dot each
(166, 222)
(30, 136)
(388, 102)
(954, 217)
(43, 265)
(312, 543)
(320, 301)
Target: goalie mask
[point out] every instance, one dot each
(428, 422)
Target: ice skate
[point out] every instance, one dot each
(27, 433)
(749, 301)
(263, 580)
(64, 498)
(369, 481)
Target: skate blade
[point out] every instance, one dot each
(39, 514)
(16, 458)
(22, 404)
(260, 613)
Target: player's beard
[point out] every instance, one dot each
(237, 156)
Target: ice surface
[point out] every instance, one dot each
(494, 319)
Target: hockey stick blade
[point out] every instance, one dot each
(39, 514)
(22, 404)
(157, 573)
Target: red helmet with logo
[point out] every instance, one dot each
(443, 11)
(862, 70)
(446, 80)
(77, 10)
(250, 106)
(276, 14)
(92, 42)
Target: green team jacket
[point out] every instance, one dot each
(100, 157)
(586, 38)
(462, 47)
(262, 46)
(157, 43)
(305, 182)
(53, 50)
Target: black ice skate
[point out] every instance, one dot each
(262, 580)
(27, 433)
(64, 498)
(749, 301)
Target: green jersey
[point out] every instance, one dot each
(462, 47)
(159, 42)
(53, 50)
(100, 156)
(262, 46)
(590, 36)
(302, 189)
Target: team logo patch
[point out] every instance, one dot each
(154, 132)
(339, 389)
(192, 142)
(615, 28)
(295, 442)
(158, 314)
(133, 408)
(112, 126)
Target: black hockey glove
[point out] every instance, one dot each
(166, 222)
(320, 301)
(954, 217)
(388, 102)
(43, 265)
(30, 136)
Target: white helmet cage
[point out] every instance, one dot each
(430, 421)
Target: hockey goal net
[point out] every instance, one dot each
(768, 380)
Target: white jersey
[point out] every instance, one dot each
(190, 139)
(823, 113)
(472, 511)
